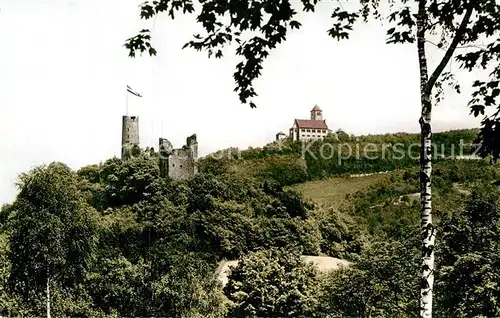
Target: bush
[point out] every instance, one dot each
(469, 259)
(273, 283)
(382, 283)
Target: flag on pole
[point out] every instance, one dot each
(130, 90)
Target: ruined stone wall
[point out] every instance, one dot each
(181, 164)
(178, 164)
(130, 136)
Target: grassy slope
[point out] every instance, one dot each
(333, 191)
(453, 182)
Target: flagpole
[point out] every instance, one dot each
(126, 102)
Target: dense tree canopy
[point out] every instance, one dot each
(53, 233)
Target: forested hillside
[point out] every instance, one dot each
(292, 162)
(115, 239)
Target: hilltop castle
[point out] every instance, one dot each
(305, 129)
(178, 164)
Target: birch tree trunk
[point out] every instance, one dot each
(48, 293)
(426, 227)
(427, 232)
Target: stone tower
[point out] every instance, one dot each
(316, 113)
(178, 164)
(130, 137)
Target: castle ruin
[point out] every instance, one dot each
(177, 164)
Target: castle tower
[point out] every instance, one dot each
(130, 137)
(316, 113)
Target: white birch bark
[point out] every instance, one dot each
(426, 227)
(426, 84)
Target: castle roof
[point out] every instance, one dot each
(281, 133)
(309, 123)
(316, 108)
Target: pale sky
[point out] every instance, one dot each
(63, 73)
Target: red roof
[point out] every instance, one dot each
(308, 123)
(316, 108)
